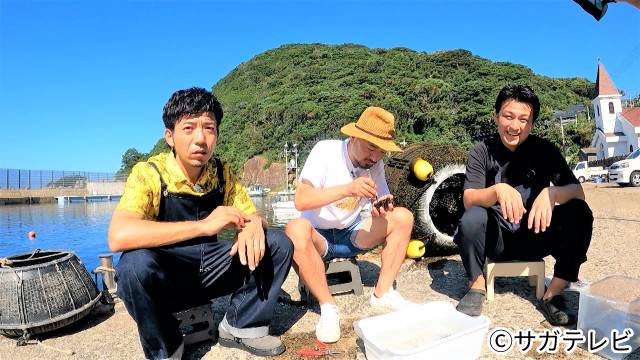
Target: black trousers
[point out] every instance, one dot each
(483, 233)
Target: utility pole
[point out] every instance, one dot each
(562, 133)
(286, 167)
(295, 161)
(588, 116)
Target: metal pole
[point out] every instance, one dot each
(19, 179)
(295, 163)
(286, 168)
(108, 276)
(588, 116)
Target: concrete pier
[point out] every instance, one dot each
(98, 191)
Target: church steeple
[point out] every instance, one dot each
(607, 102)
(612, 136)
(604, 85)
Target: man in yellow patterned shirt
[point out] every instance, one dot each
(166, 225)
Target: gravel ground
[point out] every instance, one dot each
(109, 333)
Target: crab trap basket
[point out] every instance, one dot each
(43, 291)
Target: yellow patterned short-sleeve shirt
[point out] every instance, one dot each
(142, 190)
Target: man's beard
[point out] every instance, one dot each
(363, 165)
(197, 164)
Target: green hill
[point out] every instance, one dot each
(303, 93)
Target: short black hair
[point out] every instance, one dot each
(519, 93)
(190, 102)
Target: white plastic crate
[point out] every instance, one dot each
(433, 330)
(611, 303)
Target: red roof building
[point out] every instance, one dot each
(617, 128)
(604, 85)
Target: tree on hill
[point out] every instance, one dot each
(132, 156)
(129, 159)
(304, 93)
(160, 147)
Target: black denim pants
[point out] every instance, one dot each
(154, 283)
(483, 233)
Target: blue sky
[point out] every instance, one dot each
(82, 81)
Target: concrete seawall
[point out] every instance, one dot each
(48, 195)
(27, 200)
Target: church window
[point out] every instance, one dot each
(610, 107)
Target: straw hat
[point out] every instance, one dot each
(375, 125)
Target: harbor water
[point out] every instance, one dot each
(80, 227)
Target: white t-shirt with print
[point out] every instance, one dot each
(328, 165)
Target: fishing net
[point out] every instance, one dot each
(436, 203)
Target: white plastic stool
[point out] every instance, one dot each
(533, 269)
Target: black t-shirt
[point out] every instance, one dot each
(533, 166)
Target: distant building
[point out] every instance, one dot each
(587, 154)
(617, 128)
(570, 115)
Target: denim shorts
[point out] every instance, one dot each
(341, 242)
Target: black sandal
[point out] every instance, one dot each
(555, 311)
(471, 302)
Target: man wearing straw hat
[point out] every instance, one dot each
(338, 179)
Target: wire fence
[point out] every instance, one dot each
(605, 163)
(47, 179)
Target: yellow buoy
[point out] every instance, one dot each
(416, 249)
(422, 169)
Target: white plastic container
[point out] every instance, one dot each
(433, 330)
(611, 303)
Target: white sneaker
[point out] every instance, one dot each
(390, 300)
(328, 327)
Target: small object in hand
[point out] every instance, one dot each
(382, 203)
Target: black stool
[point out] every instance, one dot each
(196, 324)
(343, 275)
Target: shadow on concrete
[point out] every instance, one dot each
(448, 277)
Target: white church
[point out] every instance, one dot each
(617, 129)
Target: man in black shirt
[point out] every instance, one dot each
(512, 212)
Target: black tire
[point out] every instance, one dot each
(437, 202)
(634, 179)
